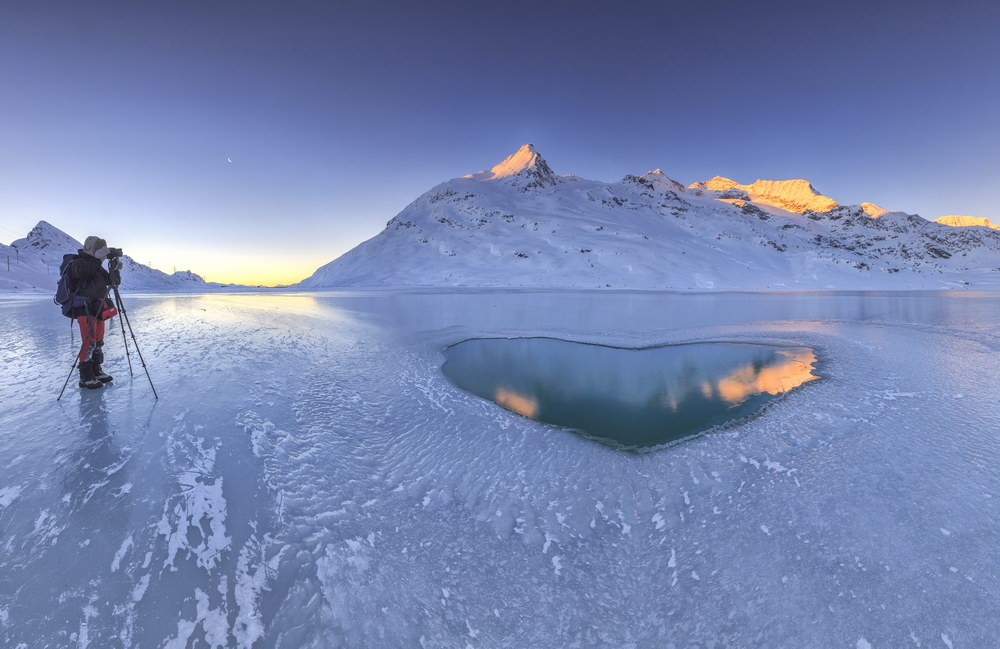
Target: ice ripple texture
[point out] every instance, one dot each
(310, 478)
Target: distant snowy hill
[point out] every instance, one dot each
(519, 224)
(34, 265)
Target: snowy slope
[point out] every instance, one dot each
(35, 260)
(521, 225)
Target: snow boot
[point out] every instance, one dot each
(87, 378)
(98, 357)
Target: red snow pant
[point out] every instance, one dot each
(92, 334)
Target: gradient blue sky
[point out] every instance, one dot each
(118, 118)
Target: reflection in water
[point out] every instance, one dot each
(234, 305)
(238, 308)
(746, 381)
(519, 403)
(628, 397)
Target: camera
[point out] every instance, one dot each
(114, 253)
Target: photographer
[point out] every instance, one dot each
(92, 283)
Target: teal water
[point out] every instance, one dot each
(630, 398)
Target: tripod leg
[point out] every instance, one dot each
(125, 339)
(124, 314)
(141, 359)
(76, 359)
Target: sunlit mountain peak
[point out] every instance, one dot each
(873, 210)
(963, 221)
(795, 195)
(526, 161)
(716, 184)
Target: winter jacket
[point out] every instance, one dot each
(89, 280)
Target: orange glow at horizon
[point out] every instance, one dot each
(228, 268)
(744, 382)
(522, 405)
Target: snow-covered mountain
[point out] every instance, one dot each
(519, 224)
(34, 265)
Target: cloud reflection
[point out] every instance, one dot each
(519, 403)
(748, 380)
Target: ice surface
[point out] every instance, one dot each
(310, 478)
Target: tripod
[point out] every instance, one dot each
(123, 321)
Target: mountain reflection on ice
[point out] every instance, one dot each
(629, 397)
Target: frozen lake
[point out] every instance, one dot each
(310, 478)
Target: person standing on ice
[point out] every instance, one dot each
(91, 283)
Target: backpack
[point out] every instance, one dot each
(66, 296)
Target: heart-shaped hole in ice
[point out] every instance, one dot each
(630, 398)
